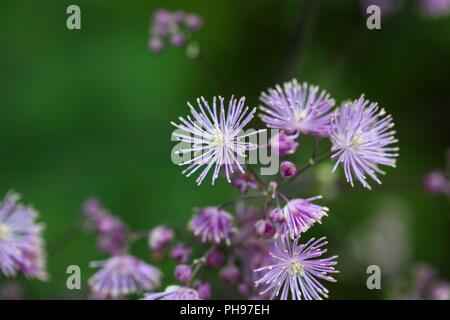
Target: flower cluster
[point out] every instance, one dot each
(21, 242)
(260, 250)
(266, 258)
(174, 27)
(425, 285)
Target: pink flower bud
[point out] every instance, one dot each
(183, 272)
(288, 169)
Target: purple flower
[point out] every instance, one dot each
(288, 169)
(212, 225)
(435, 7)
(249, 251)
(243, 289)
(112, 232)
(21, 242)
(177, 39)
(181, 253)
(174, 293)
(183, 272)
(441, 291)
(296, 107)
(265, 229)
(193, 22)
(159, 238)
(243, 182)
(435, 182)
(214, 258)
(283, 144)
(156, 45)
(204, 290)
(361, 136)
(121, 275)
(175, 27)
(276, 215)
(11, 290)
(229, 274)
(300, 215)
(296, 270)
(215, 137)
(162, 16)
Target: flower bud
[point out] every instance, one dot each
(243, 289)
(283, 144)
(156, 45)
(159, 238)
(177, 39)
(181, 253)
(276, 215)
(193, 22)
(214, 259)
(265, 229)
(288, 169)
(229, 274)
(204, 290)
(183, 272)
(435, 182)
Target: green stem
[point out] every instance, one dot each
(236, 199)
(257, 177)
(211, 75)
(64, 239)
(311, 163)
(198, 264)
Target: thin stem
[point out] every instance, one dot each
(198, 264)
(236, 199)
(211, 74)
(257, 177)
(301, 36)
(315, 147)
(310, 164)
(64, 239)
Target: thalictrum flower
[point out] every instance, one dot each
(296, 271)
(361, 135)
(122, 275)
(300, 108)
(215, 138)
(21, 242)
(212, 225)
(174, 293)
(299, 215)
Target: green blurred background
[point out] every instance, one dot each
(86, 113)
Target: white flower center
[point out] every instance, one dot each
(299, 116)
(356, 142)
(5, 233)
(218, 138)
(296, 268)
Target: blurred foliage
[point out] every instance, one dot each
(86, 113)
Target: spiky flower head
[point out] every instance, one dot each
(212, 225)
(361, 135)
(299, 215)
(300, 108)
(214, 137)
(21, 242)
(174, 293)
(122, 275)
(296, 270)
